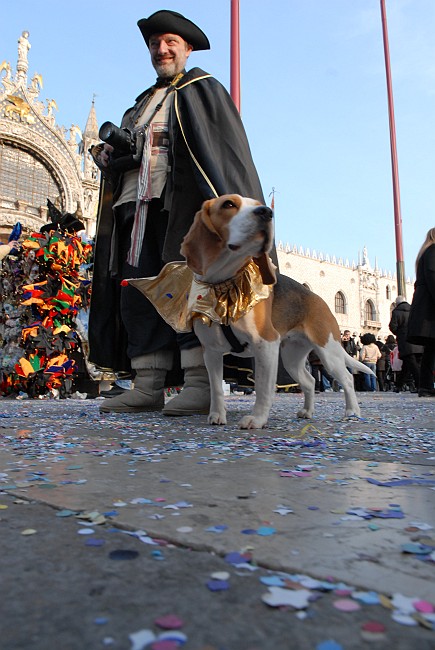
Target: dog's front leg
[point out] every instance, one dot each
(213, 360)
(266, 368)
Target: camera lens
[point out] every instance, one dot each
(106, 131)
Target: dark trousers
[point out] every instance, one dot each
(410, 370)
(427, 367)
(147, 332)
(318, 372)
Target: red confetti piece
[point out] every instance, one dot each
(169, 622)
(374, 627)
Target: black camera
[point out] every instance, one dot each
(127, 146)
(122, 140)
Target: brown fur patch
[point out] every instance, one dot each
(201, 246)
(296, 308)
(263, 319)
(320, 323)
(267, 268)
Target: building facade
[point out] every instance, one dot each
(361, 297)
(39, 159)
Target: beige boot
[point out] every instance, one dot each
(195, 395)
(147, 394)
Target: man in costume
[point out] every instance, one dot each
(186, 144)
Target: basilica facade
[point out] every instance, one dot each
(40, 159)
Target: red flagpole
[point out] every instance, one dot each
(235, 53)
(400, 264)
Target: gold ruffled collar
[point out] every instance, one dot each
(180, 298)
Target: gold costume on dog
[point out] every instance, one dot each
(179, 297)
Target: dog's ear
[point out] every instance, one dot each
(201, 243)
(267, 268)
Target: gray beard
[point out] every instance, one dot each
(166, 72)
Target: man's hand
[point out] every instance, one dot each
(105, 154)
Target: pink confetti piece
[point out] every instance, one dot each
(169, 622)
(346, 605)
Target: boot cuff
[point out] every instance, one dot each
(162, 360)
(192, 358)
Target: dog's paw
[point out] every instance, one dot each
(217, 418)
(303, 413)
(252, 422)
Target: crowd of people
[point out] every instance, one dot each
(181, 143)
(405, 360)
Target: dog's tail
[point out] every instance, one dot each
(354, 364)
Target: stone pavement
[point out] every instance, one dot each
(318, 529)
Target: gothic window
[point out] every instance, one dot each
(340, 303)
(388, 292)
(25, 178)
(369, 311)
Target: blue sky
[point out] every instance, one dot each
(314, 101)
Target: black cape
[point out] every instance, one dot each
(210, 156)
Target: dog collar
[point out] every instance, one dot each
(180, 298)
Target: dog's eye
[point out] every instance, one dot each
(228, 204)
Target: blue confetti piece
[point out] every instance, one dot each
(216, 529)
(236, 558)
(92, 541)
(218, 585)
(272, 581)
(329, 645)
(265, 531)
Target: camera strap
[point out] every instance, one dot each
(144, 194)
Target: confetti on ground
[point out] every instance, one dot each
(28, 531)
(123, 554)
(169, 622)
(346, 605)
(302, 456)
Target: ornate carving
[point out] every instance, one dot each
(19, 108)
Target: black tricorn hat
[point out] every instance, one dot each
(171, 22)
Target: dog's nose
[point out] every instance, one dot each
(263, 212)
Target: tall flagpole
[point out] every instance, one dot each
(400, 264)
(235, 53)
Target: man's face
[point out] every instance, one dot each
(169, 53)
(346, 336)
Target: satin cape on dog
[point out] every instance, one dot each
(180, 298)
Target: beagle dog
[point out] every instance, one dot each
(230, 236)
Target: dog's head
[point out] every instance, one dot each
(226, 233)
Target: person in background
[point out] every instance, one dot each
(409, 353)
(5, 249)
(369, 356)
(352, 347)
(421, 322)
(349, 344)
(390, 344)
(381, 365)
(319, 373)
